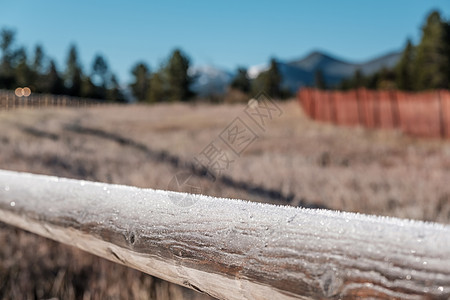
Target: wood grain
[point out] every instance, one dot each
(233, 249)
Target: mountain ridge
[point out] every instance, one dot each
(296, 72)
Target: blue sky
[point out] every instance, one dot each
(225, 34)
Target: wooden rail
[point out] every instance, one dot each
(234, 249)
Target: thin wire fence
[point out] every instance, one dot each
(10, 101)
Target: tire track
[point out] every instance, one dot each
(177, 163)
(201, 172)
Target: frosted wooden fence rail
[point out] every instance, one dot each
(234, 249)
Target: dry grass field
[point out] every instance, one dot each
(294, 162)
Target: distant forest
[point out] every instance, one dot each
(423, 66)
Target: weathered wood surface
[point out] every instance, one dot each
(234, 249)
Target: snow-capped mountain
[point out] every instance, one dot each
(211, 80)
(254, 71)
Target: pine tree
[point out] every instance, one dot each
(372, 81)
(7, 37)
(432, 60)
(38, 60)
(158, 91)
(271, 80)
(100, 70)
(319, 80)
(73, 74)
(345, 84)
(115, 93)
(178, 78)
(358, 79)
(6, 41)
(37, 69)
(23, 73)
(241, 81)
(99, 77)
(404, 68)
(89, 89)
(54, 84)
(386, 79)
(141, 82)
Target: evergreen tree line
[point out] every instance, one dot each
(421, 67)
(171, 82)
(40, 73)
(268, 81)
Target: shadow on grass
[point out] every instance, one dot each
(183, 165)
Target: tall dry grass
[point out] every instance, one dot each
(351, 169)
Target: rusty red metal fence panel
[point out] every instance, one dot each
(423, 114)
(444, 99)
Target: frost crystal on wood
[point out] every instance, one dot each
(234, 249)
